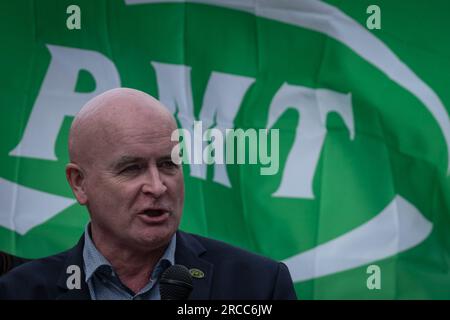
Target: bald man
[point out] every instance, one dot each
(121, 169)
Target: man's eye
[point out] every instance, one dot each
(132, 168)
(168, 165)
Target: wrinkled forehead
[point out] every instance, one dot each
(147, 133)
(138, 132)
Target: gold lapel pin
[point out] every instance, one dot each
(197, 273)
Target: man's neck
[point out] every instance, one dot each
(133, 267)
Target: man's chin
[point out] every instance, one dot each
(153, 240)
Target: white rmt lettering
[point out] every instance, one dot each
(221, 101)
(313, 105)
(57, 98)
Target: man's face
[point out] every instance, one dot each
(134, 191)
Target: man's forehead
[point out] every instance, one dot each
(139, 131)
(141, 128)
(140, 146)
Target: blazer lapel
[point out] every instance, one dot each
(188, 253)
(74, 258)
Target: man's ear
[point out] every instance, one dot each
(75, 177)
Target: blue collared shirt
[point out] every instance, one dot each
(103, 282)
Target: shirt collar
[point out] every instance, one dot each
(94, 260)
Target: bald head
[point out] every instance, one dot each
(121, 168)
(118, 109)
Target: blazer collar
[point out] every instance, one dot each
(188, 253)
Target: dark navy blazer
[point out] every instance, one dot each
(229, 273)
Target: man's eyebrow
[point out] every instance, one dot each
(165, 158)
(124, 160)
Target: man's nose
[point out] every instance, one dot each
(153, 184)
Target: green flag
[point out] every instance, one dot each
(359, 203)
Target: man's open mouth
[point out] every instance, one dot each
(153, 212)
